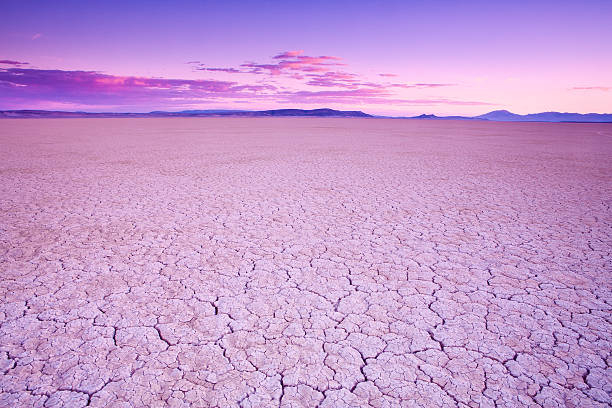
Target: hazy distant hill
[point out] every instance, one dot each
(188, 113)
(62, 114)
(498, 115)
(506, 116)
(314, 112)
(434, 117)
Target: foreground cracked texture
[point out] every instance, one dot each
(304, 262)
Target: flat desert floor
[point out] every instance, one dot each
(305, 262)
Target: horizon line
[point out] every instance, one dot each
(229, 110)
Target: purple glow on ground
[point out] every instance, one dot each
(304, 262)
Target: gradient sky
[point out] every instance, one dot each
(382, 57)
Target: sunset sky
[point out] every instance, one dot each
(382, 57)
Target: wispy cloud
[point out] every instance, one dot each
(300, 63)
(288, 54)
(36, 36)
(419, 86)
(290, 77)
(226, 70)
(432, 85)
(592, 88)
(290, 62)
(13, 63)
(318, 71)
(95, 88)
(333, 79)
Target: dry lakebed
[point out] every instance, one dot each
(304, 262)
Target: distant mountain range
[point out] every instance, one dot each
(187, 113)
(433, 117)
(506, 116)
(497, 116)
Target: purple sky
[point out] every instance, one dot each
(397, 58)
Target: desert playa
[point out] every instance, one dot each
(301, 262)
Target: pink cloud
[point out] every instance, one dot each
(290, 61)
(405, 86)
(351, 81)
(95, 88)
(14, 63)
(36, 36)
(342, 80)
(226, 70)
(288, 54)
(253, 88)
(432, 85)
(422, 85)
(33, 87)
(319, 71)
(592, 88)
(333, 79)
(300, 63)
(84, 80)
(255, 68)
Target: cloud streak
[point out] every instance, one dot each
(592, 88)
(317, 71)
(13, 63)
(303, 79)
(289, 62)
(95, 88)
(226, 70)
(288, 54)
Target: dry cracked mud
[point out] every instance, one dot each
(304, 262)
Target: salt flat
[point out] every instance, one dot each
(305, 262)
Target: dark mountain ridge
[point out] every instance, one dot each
(324, 112)
(507, 116)
(496, 116)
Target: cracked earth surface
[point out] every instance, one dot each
(304, 262)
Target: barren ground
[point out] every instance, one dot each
(304, 262)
